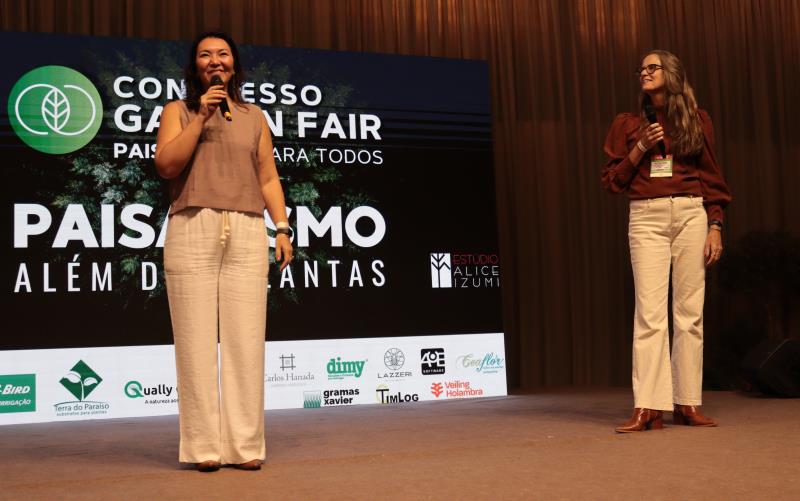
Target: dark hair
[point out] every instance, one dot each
(194, 87)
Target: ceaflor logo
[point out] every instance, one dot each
(55, 109)
(81, 380)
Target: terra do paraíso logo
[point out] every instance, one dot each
(55, 109)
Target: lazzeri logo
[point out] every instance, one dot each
(55, 109)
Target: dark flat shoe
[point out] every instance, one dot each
(208, 466)
(252, 465)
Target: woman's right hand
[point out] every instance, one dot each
(652, 135)
(210, 101)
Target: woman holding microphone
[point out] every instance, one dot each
(222, 176)
(663, 157)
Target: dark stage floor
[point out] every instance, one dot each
(555, 444)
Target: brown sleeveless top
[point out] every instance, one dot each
(223, 172)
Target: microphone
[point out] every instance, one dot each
(223, 105)
(650, 112)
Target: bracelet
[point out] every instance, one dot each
(641, 146)
(283, 231)
(282, 224)
(714, 227)
(716, 222)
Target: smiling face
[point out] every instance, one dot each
(214, 57)
(652, 83)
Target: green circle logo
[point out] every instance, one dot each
(55, 109)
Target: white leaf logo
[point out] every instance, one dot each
(55, 109)
(73, 377)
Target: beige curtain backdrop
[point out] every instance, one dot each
(560, 71)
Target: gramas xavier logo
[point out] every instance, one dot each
(55, 109)
(81, 380)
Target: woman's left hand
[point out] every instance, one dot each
(713, 248)
(283, 250)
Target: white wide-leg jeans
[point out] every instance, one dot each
(668, 234)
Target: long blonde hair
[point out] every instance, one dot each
(681, 107)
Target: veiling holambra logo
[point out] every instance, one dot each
(81, 380)
(55, 109)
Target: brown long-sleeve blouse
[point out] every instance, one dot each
(698, 176)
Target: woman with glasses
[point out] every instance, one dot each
(663, 158)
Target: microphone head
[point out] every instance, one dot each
(649, 111)
(216, 80)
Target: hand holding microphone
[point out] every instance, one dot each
(654, 133)
(215, 97)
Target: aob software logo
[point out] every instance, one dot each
(55, 109)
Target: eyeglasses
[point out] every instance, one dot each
(650, 69)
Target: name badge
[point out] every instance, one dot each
(660, 166)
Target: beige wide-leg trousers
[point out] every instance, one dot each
(216, 270)
(668, 233)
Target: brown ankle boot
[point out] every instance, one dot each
(690, 415)
(642, 419)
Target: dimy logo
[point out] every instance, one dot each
(81, 380)
(55, 109)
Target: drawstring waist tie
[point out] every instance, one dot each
(225, 232)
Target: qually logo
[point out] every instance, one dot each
(159, 394)
(55, 109)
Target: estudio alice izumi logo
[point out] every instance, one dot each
(55, 109)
